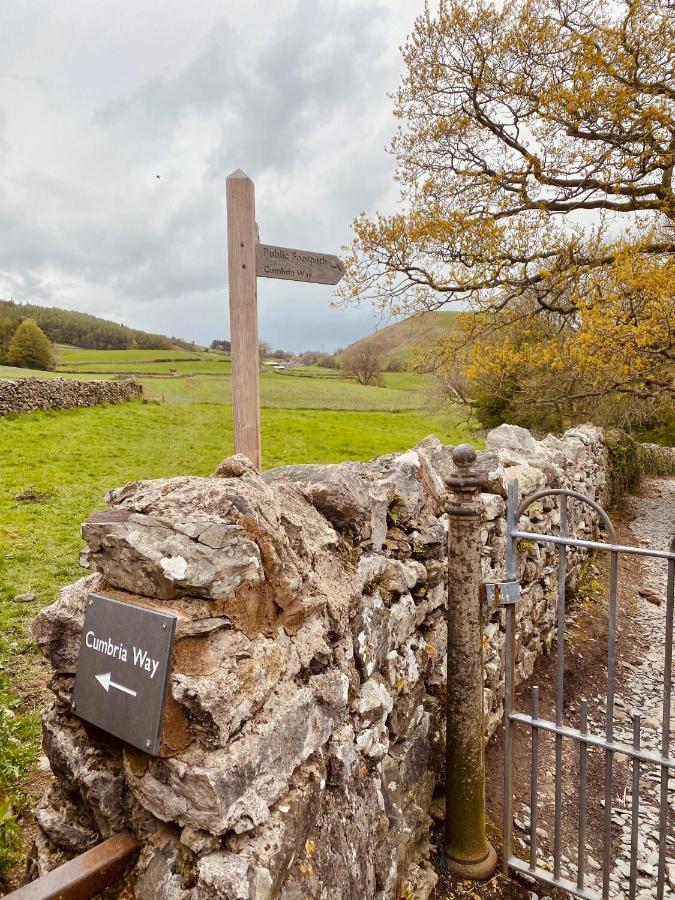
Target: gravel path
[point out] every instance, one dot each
(641, 689)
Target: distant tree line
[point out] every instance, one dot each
(82, 329)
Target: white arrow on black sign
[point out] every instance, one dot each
(106, 683)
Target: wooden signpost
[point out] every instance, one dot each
(247, 260)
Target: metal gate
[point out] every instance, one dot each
(581, 736)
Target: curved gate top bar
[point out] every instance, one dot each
(577, 542)
(575, 495)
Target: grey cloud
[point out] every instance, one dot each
(313, 68)
(158, 109)
(4, 143)
(267, 100)
(300, 103)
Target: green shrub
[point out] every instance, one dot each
(30, 348)
(658, 462)
(630, 460)
(624, 464)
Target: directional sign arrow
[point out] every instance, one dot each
(106, 683)
(297, 265)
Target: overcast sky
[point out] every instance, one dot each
(98, 98)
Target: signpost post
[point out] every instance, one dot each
(247, 261)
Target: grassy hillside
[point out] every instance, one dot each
(397, 341)
(77, 361)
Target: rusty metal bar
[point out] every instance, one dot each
(592, 545)
(665, 731)
(560, 687)
(609, 721)
(534, 773)
(509, 675)
(583, 782)
(635, 809)
(85, 876)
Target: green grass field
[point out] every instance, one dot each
(73, 360)
(57, 467)
(205, 377)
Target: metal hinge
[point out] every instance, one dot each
(501, 593)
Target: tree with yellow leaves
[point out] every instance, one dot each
(535, 154)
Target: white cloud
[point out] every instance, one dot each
(96, 102)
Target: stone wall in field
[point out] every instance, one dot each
(304, 730)
(30, 394)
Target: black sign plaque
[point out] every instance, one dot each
(123, 670)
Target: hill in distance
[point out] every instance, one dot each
(396, 342)
(64, 326)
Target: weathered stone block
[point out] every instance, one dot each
(234, 788)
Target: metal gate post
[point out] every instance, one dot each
(468, 851)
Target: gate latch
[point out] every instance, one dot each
(501, 593)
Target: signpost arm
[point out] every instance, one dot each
(241, 241)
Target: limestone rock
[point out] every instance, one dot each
(529, 478)
(234, 788)
(57, 628)
(235, 466)
(155, 557)
(219, 701)
(371, 637)
(161, 866)
(64, 822)
(90, 771)
(260, 863)
(387, 576)
(305, 713)
(511, 437)
(29, 394)
(223, 876)
(336, 491)
(493, 505)
(44, 856)
(422, 879)
(374, 701)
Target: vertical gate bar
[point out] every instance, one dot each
(583, 779)
(534, 773)
(509, 675)
(635, 809)
(665, 731)
(560, 686)
(609, 724)
(512, 505)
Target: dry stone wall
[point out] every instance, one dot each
(303, 736)
(30, 394)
